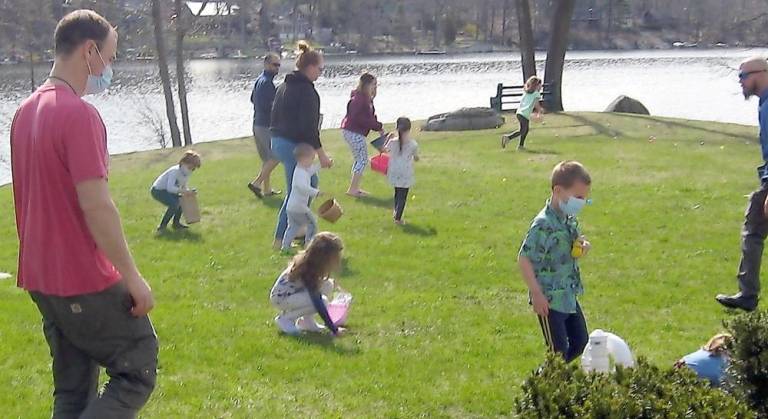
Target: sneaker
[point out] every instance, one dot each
(286, 325)
(738, 301)
(504, 141)
(521, 148)
(256, 190)
(308, 324)
(180, 226)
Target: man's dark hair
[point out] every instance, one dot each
(78, 27)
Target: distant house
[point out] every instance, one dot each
(289, 23)
(212, 8)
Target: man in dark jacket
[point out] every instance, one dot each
(262, 96)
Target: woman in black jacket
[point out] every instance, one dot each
(296, 120)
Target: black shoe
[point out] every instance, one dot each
(256, 190)
(180, 226)
(738, 301)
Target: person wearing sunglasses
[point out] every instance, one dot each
(262, 96)
(753, 77)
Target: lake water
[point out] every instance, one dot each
(694, 84)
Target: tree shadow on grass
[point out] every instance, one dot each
(419, 231)
(543, 152)
(597, 126)
(274, 201)
(376, 201)
(685, 125)
(345, 269)
(327, 342)
(179, 235)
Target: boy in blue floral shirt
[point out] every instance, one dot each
(548, 260)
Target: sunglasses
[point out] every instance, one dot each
(745, 74)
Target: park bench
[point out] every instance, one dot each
(508, 97)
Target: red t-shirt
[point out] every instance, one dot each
(57, 141)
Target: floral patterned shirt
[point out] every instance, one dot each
(548, 246)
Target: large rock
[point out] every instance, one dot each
(464, 119)
(626, 104)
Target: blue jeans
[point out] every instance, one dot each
(283, 148)
(171, 201)
(565, 333)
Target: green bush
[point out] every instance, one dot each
(558, 390)
(748, 371)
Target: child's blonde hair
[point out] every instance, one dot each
(315, 263)
(191, 158)
(718, 344)
(568, 172)
(532, 84)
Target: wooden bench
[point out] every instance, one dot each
(508, 97)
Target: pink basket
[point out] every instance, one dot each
(338, 309)
(380, 163)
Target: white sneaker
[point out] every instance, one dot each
(286, 325)
(308, 324)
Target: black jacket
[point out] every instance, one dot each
(296, 111)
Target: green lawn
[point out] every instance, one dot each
(441, 326)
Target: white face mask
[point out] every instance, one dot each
(98, 84)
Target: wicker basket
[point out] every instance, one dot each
(330, 210)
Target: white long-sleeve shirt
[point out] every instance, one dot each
(301, 188)
(172, 180)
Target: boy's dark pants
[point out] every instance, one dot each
(92, 330)
(172, 202)
(753, 235)
(565, 333)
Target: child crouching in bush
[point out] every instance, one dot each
(711, 361)
(304, 287)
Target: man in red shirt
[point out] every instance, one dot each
(73, 257)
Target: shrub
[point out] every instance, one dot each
(748, 371)
(558, 390)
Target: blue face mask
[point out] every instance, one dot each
(572, 206)
(98, 84)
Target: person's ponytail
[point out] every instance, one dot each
(306, 56)
(403, 125)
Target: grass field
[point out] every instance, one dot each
(441, 326)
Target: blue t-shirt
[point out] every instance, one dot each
(708, 366)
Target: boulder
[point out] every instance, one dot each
(625, 104)
(464, 119)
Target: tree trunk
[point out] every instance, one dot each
(32, 70)
(525, 30)
(180, 75)
(505, 8)
(265, 25)
(165, 77)
(553, 73)
(438, 16)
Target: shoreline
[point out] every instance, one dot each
(416, 123)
